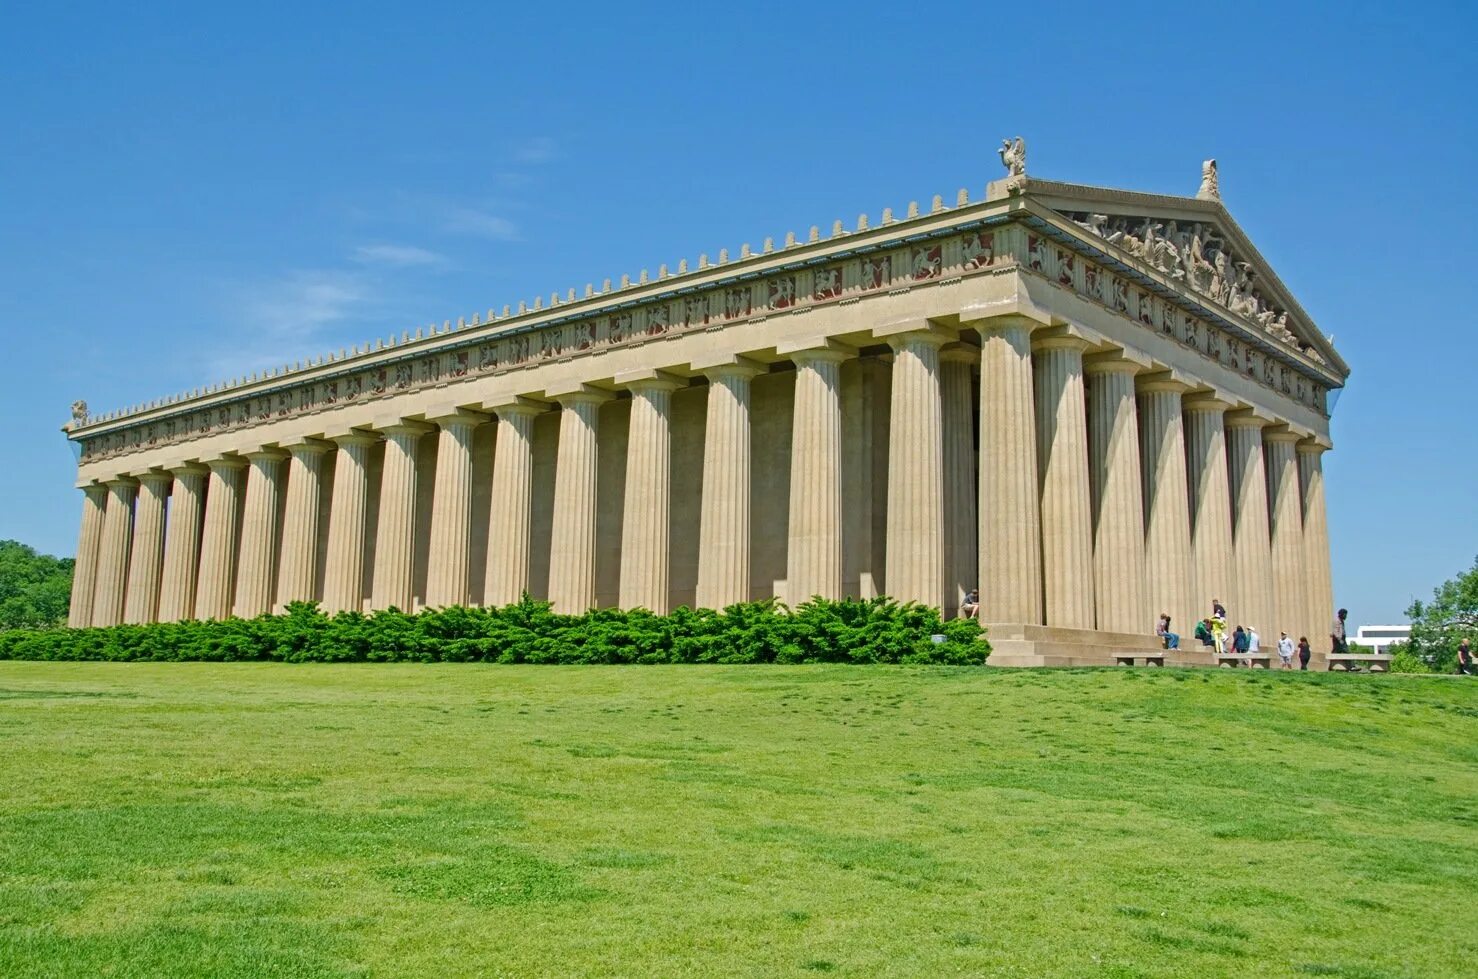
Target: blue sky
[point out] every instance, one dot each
(188, 191)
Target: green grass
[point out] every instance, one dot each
(255, 819)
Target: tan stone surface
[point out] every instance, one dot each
(146, 565)
(647, 516)
(814, 566)
(298, 571)
(1211, 507)
(1169, 568)
(511, 504)
(344, 571)
(572, 539)
(1320, 608)
(182, 544)
(224, 496)
(1117, 496)
(724, 526)
(915, 532)
(449, 572)
(1251, 544)
(84, 575)
(961, 524)
(1290, 581)
(395, 537)
(256, 567)
(113, 552)
(1062, 460)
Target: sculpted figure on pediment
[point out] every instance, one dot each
(1013, 156)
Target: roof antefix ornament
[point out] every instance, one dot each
(1013, 158)
(1210, 189)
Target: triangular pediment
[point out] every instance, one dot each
(1198, 247)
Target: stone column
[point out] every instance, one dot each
(1211, 505)
(1062, 460)
(915, 553)
(647, 512)
(1169, 580)
(142, 604)
(1290, 582)
(814, 556)
(343, 571)
(254, 574)
(512, 501)
(217, 578)
(724, 519)
(1319, 584)
(113, 552)
(572, 537)
(447, 579)
(1251, 543)
(1117, 496)
(957, 419)
(297, 570)
(1010, 509)
(84, 574)
(182, 544)
(395, 539)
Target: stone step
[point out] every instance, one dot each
(998, 632)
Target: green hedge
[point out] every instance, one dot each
(872, 631)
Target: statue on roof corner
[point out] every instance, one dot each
(1013, 156)
(79, 412)
(1209, 191)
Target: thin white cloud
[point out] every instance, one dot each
(397, 256)
(460, 219)
(537, 149)
(278, 317)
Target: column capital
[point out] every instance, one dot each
(519, 405)
(266, 454)
(1152, 380)
(1282, 432)
(401, 426)
(1207, 401)
(161, 476)
(574, 394)
(189, 469)
(817, 350)
(650, 379)
(914, 328)
(1248, 418)
(960, 353)
(352, 437)
(94, 490)
(120, 481)
(1001, 322)
(306, 446)
(1059, 341)
(445, 417)
(1112, 362)
(225, 463)
(1314, 445)
(730, 365)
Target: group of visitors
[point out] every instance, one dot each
(1242, 640)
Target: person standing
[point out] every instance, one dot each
(1239, 641)
(1338, 646)
(1285, 652)
(1254, 641)
(1305, 652)
(1464, 658)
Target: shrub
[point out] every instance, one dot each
(1404, 662)
(875, 630)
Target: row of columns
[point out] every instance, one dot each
(1102, 498)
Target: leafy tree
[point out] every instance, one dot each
(1451, 616)
(35, 589)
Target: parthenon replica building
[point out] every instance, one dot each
(1095, 405)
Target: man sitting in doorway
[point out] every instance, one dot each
(971, 607)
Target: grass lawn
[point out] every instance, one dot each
(248, 819)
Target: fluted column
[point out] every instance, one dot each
(85, 570)
(1319, 584)
(448, 577)
(343, 571)
(113, 552)
(957, 419)
(1169, 581)
(572, 536)
(147, 561)
(915, 554)
(395, 538)
(182, 544)
(217, 580)
(1062, 460)
(1251, 543)
(814, 557)
(1117, 496)
(510, 517)
(1010, 508)
(255, 577)
(1290, 582)
(647, 511)
(724, 518)
(1211, 505)
(297, 568)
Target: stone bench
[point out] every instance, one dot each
(1379, 662)
(1127, 658)
(1250, 660)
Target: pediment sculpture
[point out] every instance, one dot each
(1196, 254)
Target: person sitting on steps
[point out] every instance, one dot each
(971, 607)
(1162, 629)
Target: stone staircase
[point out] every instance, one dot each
(1039, 645)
